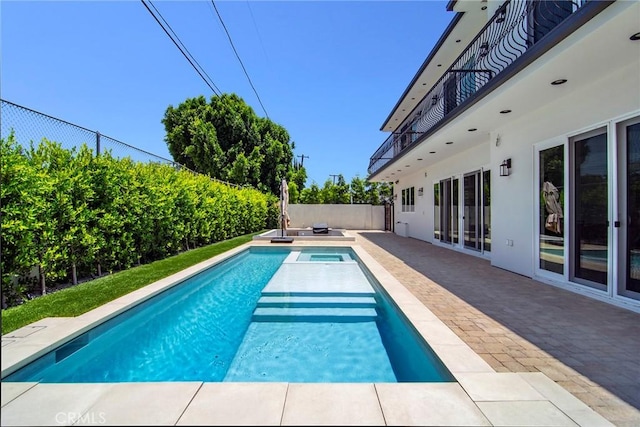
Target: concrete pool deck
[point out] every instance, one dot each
(481, 395)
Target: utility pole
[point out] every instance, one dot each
(334, 178)
(302, 157)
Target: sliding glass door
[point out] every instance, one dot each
(629, 201)
(590, 219)
(472, 218)
(455, 209)
(486, 210)
(445, 210)
(446, 224)
(589, 226)
(475, 221)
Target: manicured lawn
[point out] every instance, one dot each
(84, 297)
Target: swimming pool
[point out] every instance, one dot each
(265, 314)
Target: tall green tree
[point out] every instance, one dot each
(23, 211)
(75, 196)
(294, 193)
(342, 191)
(115, 206)
(225, 139)
(49, 161)
(378, 192)
(311, 195)
(335, 193)
(298, 174)
(358, 190)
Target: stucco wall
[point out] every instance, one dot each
(351, 217)
(419, 224)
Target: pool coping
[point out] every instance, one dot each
(309, 235)
(480, 396)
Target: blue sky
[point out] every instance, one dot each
(328, 71)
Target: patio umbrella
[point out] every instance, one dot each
(284, 205)
(552, 205)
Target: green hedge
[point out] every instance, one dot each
(69, 214)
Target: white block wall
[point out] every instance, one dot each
(350, 217)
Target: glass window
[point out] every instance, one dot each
(630, 135)
(552, 192)
(436, 211)
(590, 209)
(408, 204)
(454, 209)
(486, 209)
(472, 210)
(404, 200)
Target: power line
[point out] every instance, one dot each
(240, 60)
(189, 57)
(253, 19)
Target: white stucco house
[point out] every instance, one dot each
(518, 140)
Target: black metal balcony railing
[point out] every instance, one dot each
(515, 28)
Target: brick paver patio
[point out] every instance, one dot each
(517, 324)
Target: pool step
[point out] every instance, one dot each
(313, 314)
(317, 301)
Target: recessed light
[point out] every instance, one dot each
(406, 166)
(412, 98)
(439, 65)
(505, 111)
(399, 170)
(635, 37)
(458, 41)
(418, 159)
(404, 109)
(432, 152)
(473, 129)
(484, 8)
(449, 142)
(559, 82)
(424, 84)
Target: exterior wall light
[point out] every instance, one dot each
(505, 167)
(420, 191)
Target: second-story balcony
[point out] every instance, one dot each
(512, 38)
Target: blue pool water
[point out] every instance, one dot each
(207, 328)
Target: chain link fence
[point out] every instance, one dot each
(29, 126)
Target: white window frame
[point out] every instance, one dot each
(408, 199)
